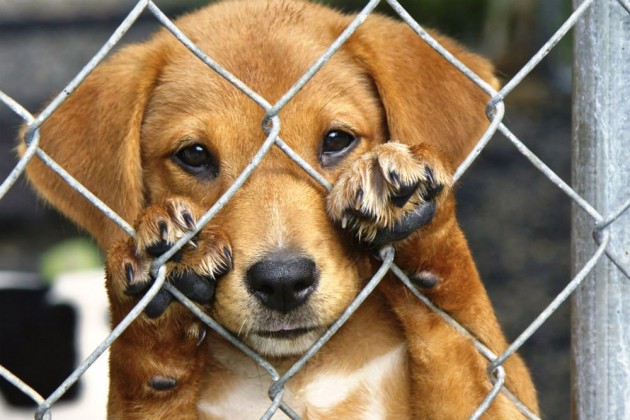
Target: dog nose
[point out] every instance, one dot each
(282, 282)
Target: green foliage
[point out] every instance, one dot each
(457, 18)
(70, 255)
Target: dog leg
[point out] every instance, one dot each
(402, 195)
(157, 364)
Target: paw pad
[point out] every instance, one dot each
(162, 383)
(425, 279)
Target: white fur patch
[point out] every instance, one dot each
(247, 396)
(246, 400)
(329, 389)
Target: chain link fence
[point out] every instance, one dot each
(603, 222)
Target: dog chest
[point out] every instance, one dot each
(241, 386)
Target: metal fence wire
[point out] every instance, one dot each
(495, 112)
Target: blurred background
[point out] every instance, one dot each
(52, 302)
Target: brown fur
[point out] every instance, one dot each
(116, 134)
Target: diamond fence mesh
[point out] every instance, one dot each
(604, 223)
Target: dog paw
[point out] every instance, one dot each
(388, 193)
(193, 269)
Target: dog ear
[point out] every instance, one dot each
(95, 136)
(426, 99)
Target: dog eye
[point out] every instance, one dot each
(197, 160)
(194, 156)
(336, 141)
(335, 144)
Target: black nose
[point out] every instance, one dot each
(282, 282)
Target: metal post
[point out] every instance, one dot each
(601, 174)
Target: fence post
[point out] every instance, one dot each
(601, 174)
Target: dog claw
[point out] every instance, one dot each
(133, 287)
(228, 258)
(344, 222)
(188, 220)
(358, 199)
(129, 272)
(433, 188)
(431, 192)
(163, 229)
(403, 194)
(429, 174)
(202, 336)
(394, 179)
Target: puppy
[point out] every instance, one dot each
(159, 137)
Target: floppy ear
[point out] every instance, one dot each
(426, 99)
(95, 136)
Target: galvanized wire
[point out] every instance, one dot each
(113, 40)
(222, 201)
(21, 385)
(495, 110)
(542, 53)
(308, 75)
(28, 118)
(553, 306)
(45, 406)
(85, 192)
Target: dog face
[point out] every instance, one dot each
(293, 273)
(155, 122)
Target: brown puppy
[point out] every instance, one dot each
(158, 136)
